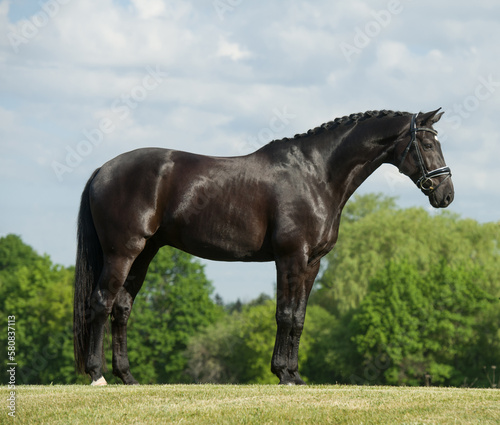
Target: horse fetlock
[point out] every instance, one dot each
(279, 367)
(93, 367)
(126, 377)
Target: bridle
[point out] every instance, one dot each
(425, 181)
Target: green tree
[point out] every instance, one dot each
(373, 234)
(367, 241)
(362, 205)
(39, 295)
(173, 305)
(414, 323)
(324, 346)
(236, 349)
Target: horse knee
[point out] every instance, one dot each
(298, 322)
(99, 306)
(121, 314)
(284, 318)
(122, 307)
(109, 288)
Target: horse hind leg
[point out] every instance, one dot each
(112, 279)
(122, 308)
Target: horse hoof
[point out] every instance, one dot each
(99, 383)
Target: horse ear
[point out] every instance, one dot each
(430, 118)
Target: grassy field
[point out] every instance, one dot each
(251, 404)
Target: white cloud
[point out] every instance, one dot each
(231, 50)
(108, 35)
(148, 9)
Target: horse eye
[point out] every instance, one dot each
(428, 146)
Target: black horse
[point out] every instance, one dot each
(281, 203)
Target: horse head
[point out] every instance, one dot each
(421, 159)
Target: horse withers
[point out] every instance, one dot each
(281, 203)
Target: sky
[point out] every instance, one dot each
(83, 81)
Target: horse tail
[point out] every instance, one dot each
(89, 264)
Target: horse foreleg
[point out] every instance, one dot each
(299, 315)
(292, 294)
(290, 278)
(279, 362)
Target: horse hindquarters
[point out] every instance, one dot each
(96, 278)
(118, 237)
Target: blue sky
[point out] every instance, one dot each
(210, 76)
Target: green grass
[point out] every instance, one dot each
(251, 404)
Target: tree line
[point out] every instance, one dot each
(405, 298)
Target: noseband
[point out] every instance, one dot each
(425, 181)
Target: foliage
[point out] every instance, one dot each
(362, 205)
(237, 349)
(39, 295)
(424, 323)
(415, 294)
(367, 241)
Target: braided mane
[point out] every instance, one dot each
(346, 120)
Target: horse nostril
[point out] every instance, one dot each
(449, 198)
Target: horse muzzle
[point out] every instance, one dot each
(441, 194)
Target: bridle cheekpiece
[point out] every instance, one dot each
(425, 181)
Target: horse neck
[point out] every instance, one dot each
(351, 153)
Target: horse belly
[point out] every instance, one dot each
(223, 232)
